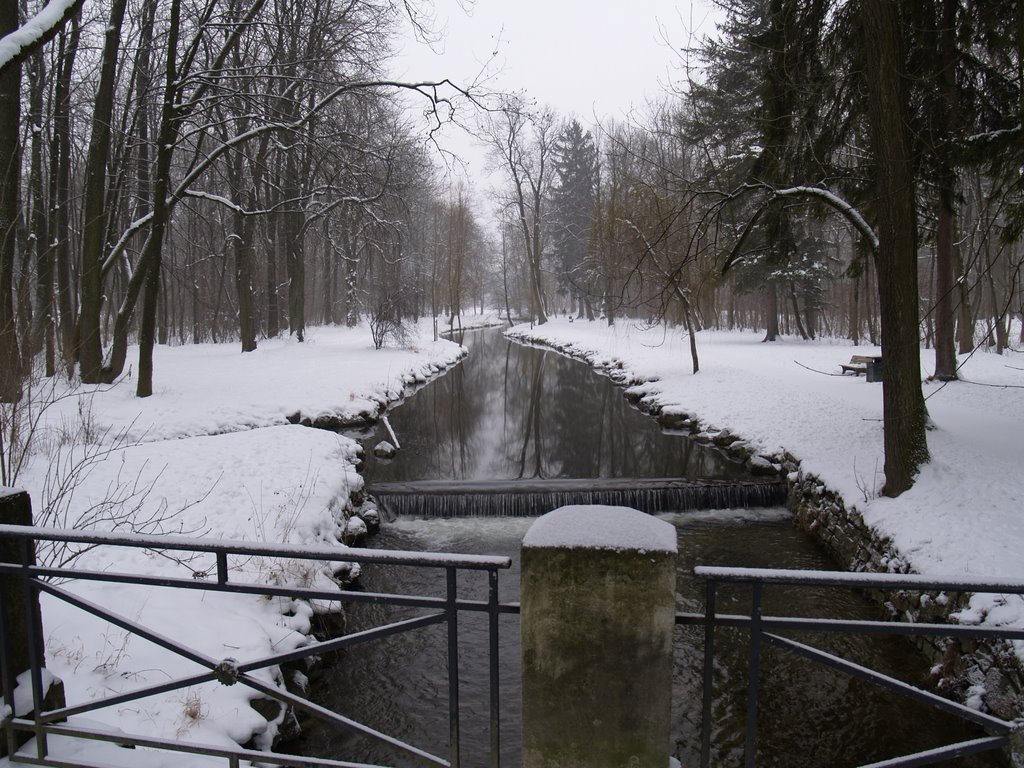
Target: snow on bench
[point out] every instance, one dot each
(858, 364)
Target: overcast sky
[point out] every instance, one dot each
(582, 57)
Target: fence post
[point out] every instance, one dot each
(16, 635)
(598, 612)
(15, 509)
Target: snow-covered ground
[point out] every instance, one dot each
(963, 515)
(211, 454)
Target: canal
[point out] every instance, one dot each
(511, 412)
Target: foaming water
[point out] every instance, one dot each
(529, 498)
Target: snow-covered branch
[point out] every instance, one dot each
(37, 31)
(989, 143)
(220, 199)
(1005, 133)
(820, 194)
(122, 242)
(834, 201)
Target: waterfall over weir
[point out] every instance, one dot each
(522, 498)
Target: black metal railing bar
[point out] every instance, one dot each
(445, 611)
(232, 755)
(907, 581)
(323, 552)
(761, 629)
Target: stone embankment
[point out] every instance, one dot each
(978, 672)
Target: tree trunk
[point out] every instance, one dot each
(166, 138)
(90, 342)
(965, 317)
(10, 162)
(147, 328)
(38, 238)
(352, 294)
(295, 257)
(946, 114)
(504, 276)
(771, 320)
(945, 341)
(998, 330)
(810, 315)
(796, 313)
(122, 322)
(163, 335)
(537, 286)
(855, 311)
(273, 302)
(691, 331)
(24, 295)
(329, 275)
(242, 244)
(60, 189)
(904, 415)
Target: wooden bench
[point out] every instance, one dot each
(858, 364)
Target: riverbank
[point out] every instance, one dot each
(962, 517)
(219, 451)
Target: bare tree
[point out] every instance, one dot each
(525, 144)
(90, 342)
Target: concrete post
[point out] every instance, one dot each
(598, 612)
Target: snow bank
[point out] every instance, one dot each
(209, 455)
(488, 319)
(206, 389)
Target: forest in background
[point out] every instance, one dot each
(230, 170)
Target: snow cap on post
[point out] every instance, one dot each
(592, 526)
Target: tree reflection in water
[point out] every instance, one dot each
(516, 412)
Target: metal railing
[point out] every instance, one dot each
(436, 610)
(764, 628)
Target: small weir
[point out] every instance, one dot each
(526, 498)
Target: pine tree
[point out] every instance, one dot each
(759, 120)
(574, 196)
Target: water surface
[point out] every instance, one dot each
(510, 412)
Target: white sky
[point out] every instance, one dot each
(590, 59)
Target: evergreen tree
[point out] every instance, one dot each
(759, 119)
(573, 199)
